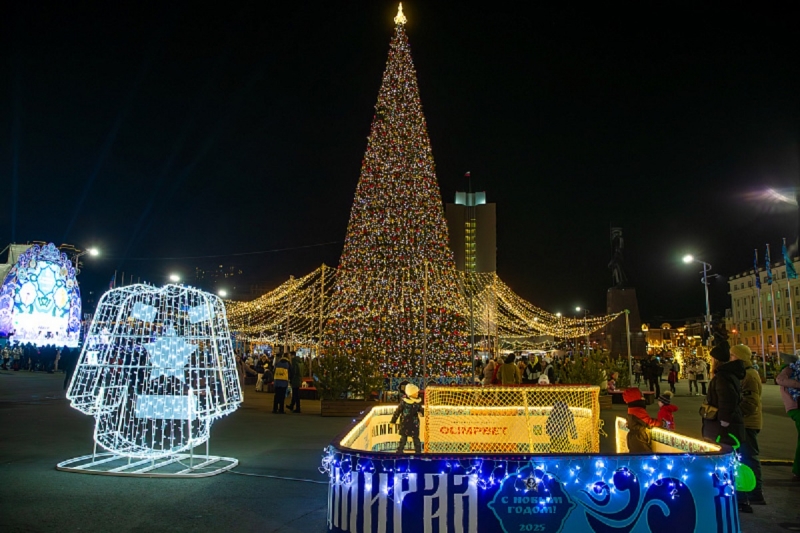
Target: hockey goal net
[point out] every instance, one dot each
(521, 419)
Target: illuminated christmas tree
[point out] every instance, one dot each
(397, 292)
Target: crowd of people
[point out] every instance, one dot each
(732, 409)
(511, 369)
(32, 358)
(651, 371)
(281, 373)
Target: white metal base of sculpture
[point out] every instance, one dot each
(182, 465)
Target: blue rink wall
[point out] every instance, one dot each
(471, 493)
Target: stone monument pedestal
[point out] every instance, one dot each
(617, 300)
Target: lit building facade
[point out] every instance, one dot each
(472, 225)
(742, 319)
(665, 338)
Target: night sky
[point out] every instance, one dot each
(162, 131)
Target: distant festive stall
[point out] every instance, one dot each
(40, 302)
(523, 459)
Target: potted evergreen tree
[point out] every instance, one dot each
(588, 370)
(348, 382)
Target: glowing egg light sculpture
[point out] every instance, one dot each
(40, 302)
(156, 370)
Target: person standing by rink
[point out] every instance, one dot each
(790, 386)
(509, 372)
(408, 413)
(488, 372)
(639, 422)
(725, 424)
(751, 410)
(282, 371)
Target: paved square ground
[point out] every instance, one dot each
(277, 487)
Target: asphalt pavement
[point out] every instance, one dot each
(277, 486)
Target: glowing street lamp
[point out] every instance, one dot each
(94, 252)
(174, 278)
(223, 293)
(689, 258)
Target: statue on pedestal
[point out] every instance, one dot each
(617, 262)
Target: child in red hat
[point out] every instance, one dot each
(639, 422)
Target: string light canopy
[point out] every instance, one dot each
(296, 312)
(396, 292)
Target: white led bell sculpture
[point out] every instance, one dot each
(156, 369)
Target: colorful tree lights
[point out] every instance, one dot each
(396, 292)
(397, 288)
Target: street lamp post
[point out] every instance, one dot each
(688, 258)
(77, 258)
(585, 329)
(558, 315)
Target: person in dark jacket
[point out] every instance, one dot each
(639, 422)
(70, 358)
(282, 375)
(725, 393)
(296, 380)
(261, 368)
(408, 413)
(652, 371)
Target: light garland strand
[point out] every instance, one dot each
(300, 306)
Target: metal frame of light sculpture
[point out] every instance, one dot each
(156, 369)
(41, 286)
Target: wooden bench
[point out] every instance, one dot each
(308, 392)
(616, 397)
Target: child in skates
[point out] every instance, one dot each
(408, 413)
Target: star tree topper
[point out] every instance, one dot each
(400, 18)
